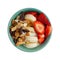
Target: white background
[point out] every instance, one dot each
(50, 52)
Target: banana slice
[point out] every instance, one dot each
(32, 34)
(31, 29)
(32, 45)
(30, 17)
(31, 39)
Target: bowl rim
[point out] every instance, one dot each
(21, 47)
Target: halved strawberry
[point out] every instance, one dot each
(39, 27)
(41, 38)
(48, 30)
(42, 18)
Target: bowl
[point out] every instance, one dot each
(23, 48)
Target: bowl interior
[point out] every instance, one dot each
(23, 48)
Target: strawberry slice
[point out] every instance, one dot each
(41, 38)
(39, 27)
(42, 18)
(48, 30)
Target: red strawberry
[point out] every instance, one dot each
(41, 38)
(39, 27)
(48, 30)
(42, 18)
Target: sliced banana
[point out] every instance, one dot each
(30, 17)
(32, 34)
(31, 29)
(31, 39)
(32, 45)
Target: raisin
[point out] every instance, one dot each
(25, 30)
(14, 23)
(22, 15)
(12, 33)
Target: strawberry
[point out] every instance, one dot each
(41, 38)
(48, 30)
(42, 18)
(39, 27)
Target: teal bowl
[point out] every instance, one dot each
(23, 48)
